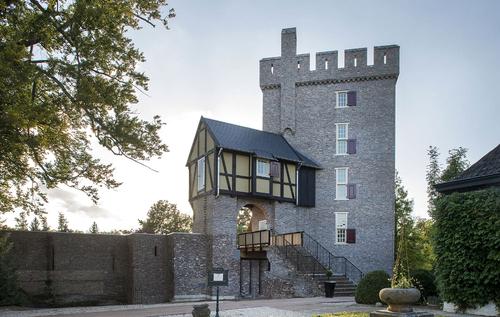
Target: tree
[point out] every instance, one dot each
(244, 217)
(43, 220)
(62, 223)
(69, 77)
(456, 163)
(164, 217)
(35, 225)
(403, 220)
(94, 229)
(9, 291)
(433, 175)
(22, 222)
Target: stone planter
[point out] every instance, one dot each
(201, 310)
(399, 299)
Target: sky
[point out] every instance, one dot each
(447, 95)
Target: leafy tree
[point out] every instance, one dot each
(425, 257)
(35, 225)
(62, 223)
(456, 163)
(164, 217)
(412, 236)
(433, 176)
(244, 217)
(69, 77)
(94, 229)
(9, 290)
(22, 222)
(403, 209)
(43, 220)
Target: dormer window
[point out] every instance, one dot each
(262, 168)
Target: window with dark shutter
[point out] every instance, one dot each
(351, 191)
(275, 169)
(351, 236)
(351, 98)
(351, 146)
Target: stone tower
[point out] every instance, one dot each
(344, 118)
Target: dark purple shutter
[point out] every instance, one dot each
(351, 98)
(351, 146)
(350, 236)
(275, 169)
(351, 191)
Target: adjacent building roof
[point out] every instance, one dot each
(484, 173)
(260, 143)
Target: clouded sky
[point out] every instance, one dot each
(448, 91)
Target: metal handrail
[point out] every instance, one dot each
(322, 256)
(354, 273)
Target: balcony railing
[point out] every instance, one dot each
(255, 240)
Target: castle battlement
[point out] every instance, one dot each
(292, 65)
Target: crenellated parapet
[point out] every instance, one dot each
(274, 70)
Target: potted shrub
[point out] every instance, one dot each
(329, 285)
(402, 293)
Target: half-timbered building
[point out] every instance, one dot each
(318, 179)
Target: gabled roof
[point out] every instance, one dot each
(260, 143)
(483, 173)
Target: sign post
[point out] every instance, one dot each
(218, 277)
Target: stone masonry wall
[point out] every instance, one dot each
(148, 258)
(66, 268)
(188, 266)
(96, 269)
(300, 103)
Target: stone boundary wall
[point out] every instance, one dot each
(62, 269)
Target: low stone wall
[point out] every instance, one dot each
(58, 269)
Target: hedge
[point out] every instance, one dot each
(467, 246)
(370, 285)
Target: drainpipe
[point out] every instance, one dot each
(218, 172)
(297, 184)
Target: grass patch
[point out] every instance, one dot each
(344, 314)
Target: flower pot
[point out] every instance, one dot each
(399, 299)
(329, 288)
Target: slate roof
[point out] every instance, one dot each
(487, 165)
(261, 143)
(483, 173)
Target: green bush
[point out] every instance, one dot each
(467, 245)
(370, 285)
(425, 281)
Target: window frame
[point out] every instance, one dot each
(260, 173)
(337, 99)
(344, 139)
(201, 185)
(341, 184)
(337, 228)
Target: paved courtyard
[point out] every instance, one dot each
(293, 307)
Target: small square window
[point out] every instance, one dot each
(262, 168)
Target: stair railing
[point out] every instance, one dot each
(338, 265)
(303, 245)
